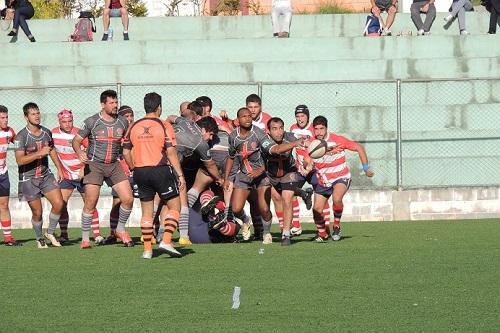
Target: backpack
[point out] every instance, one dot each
(84, 28)
(372, 27)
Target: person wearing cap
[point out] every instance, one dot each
(7, 136)
(72, 169)
(304, 129)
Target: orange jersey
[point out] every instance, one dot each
(148, 139)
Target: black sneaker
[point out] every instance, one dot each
(276, 34)
(307, 197)
(32, 39)
(12, 33)
(217, 221)
(125, 36)
(320, 239)
(209, 206)
(286, 241)
(111, 239)
(104, 37)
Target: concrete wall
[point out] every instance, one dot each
(413, 205)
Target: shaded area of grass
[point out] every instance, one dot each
(414, 276)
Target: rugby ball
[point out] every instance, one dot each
(317, 148)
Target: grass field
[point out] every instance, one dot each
(399, 277)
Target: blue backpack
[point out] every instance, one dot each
(372, 27)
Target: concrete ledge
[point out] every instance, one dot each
(360, 205)
(246, 27)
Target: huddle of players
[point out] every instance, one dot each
(249, 158)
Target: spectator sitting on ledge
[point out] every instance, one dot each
(23, 11)
(115, 8)
(389, 6)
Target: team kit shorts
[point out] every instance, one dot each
(34, 188)
(4, 185)
(71, 184)
(157, 179)
(95, 173)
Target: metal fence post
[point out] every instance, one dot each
(259, 89)
(119, 93)
(399, 152)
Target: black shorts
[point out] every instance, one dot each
(71, 184)
(289, 182)
(153, 180)
(4, 185)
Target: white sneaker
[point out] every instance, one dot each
(420, 32)
(99, 240)
(245, 231)
(147, 255)
(464, 32)
(448, 18)
(40, 243)
(296, 231)
(337, 234)
(52, 239)
(170, 250)
(268, 239)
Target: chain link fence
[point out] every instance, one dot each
(417, 134)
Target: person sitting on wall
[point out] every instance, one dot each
(115, 8)
(281, 7)
(425, 7)
(23, 11)
(389, 6)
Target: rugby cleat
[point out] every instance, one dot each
(40, 243)
(337, 234)
(268, 239)
(170, 250)
(245, 231)
(52, 240)
(99, 240)
(209, 206)
(285, 241)
(217, 221)
(111, 239)
(295, 231)
(10, 241)
(147, 255)
(85, 244)
(125, 238)
(320, 238)
(183, 241)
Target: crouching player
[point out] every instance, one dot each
(333, 175)
(149, 153)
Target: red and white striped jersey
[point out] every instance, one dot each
(262, 121)
(7, 135)
(70, 162)
(306, 133)
(333, 166)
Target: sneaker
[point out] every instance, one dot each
(427, 33)
(337, 234)
(448, 18)
(170, 250)
(183, 241)
(125, 36)
(386, 32)
(99, 240)
(147, 255)
(125, 238)
(420, 32)
(11, 242)
(32, 39)
(209, 206)
(40, 243)
(111, 239)
(464, 32)
(52, 239)
(245, 231)
(308, 194)
(276, 34)
(268, 239)
(104, 37)
(85, 244)
(296, 231)
(320, 239)
(12, 33)
(283, 35)
(285, 241)
(63, 239)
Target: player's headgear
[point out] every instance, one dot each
(65, 114)
(125, 109)
(302, 109)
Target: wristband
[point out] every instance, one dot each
(365, 167)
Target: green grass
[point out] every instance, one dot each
(398, 277)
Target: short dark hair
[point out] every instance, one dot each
(274, 120)
(196, 107)
(205, 101)
(108, 93)
(29, 106)
(209, 124)
(241, 109)
(320, 120)
(253, 98)
(152, 101)
(3, 109)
